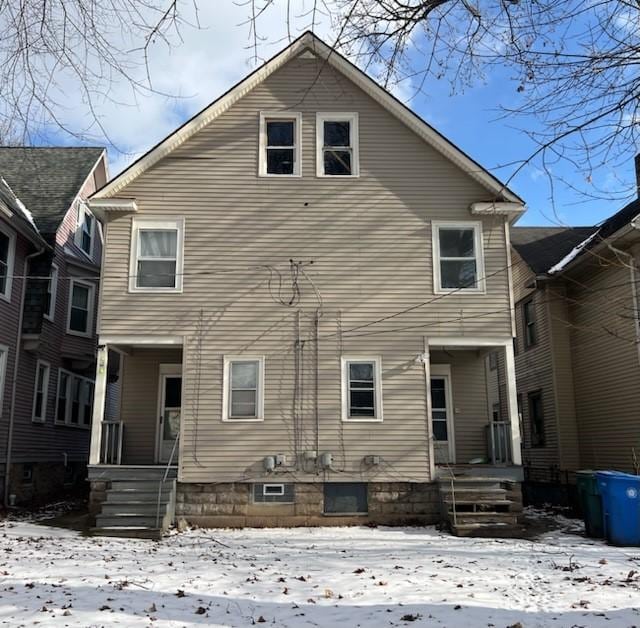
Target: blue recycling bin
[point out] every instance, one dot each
(621, 507)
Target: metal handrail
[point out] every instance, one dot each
(164, 479)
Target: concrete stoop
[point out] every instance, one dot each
(481, 506)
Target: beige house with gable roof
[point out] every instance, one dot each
(303, 282)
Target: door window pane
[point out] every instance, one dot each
(173, 392)
(439, 408)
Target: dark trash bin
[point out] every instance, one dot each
(621, 507)
(591, 503)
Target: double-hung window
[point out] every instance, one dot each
(74, 402)
(85, 229)
(536, 419)
(80, 321)
(4, 356)
(337, 152)
(457, 257)
(41, 392)
(529, 323)
(280, 150)
(361, 389)
(243, 398)
(157, 255)
(7, 254)
(52, 291)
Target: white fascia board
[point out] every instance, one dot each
(493, 208)
(308, 41)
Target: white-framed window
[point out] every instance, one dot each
(52, 293)
(243, 386)
(280, 144)
(156, 255)
(7, 259)
(85, 229)
(74, 401)
(80, 317)
(272, 489)
(458, 261)
(337, 152)
(4, 356)
(41, 392)
(362, 389)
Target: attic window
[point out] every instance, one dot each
(337, 145)
(280, 144)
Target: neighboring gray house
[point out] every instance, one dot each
(303, 282)
(47, 322)
(578, 343)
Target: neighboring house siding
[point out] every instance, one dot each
(370, 242)
(606, 371)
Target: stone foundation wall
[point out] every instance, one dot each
(231, 505)
(97, 495)
(47, 481)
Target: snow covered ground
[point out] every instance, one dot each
(314, 577)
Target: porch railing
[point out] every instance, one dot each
(112, 435)
(499, 442)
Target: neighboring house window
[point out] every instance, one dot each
(41, 392)
(4, 354)
(280, 144)
(243, 398)
(337, 145)
(515, 345)
(85, 230)
(493, 360)
(457, 257)
(80, 308)
(361, 389)
(52, 291)
(496, 412)
(536, 419)
(7, 255)
(529, 319)
(74, 403)
(156, 256)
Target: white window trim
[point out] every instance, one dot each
(6, 295)
(156, 223)
(226, 392)
(377, 362)
(479, 251)
(53, 282)
(82, 210)
(297, 151)
(91, 304)
(45, 392)
(279, 493)
(337, 116)
(4, 359)
(67, 419)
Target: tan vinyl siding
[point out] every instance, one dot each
(140, 375)
(605, 365)
(370, 243)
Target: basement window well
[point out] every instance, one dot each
(345, 498)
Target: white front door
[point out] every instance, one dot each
(442, 415)
(170, 402)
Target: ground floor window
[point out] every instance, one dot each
(74, 403)
(274, 492)
(345, 498)
(536, 419)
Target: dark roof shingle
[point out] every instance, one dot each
(46, 179)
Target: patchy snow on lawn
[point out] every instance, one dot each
(313, 577)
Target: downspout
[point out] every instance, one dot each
(16, 365)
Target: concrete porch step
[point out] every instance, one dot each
(483, 518)
(131, 532)
(147, 485)
(123, 520)
(134, 508)
(136, 495)
(484, 530)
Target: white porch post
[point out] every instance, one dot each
(426, 356)
(512, 402)
(98, 404)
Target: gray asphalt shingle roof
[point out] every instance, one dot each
(47, 179)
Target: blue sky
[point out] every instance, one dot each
(213, 58)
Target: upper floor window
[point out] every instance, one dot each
(41, 392)
(80, 308)
(52, 292)
(85, 231)
(337, 145)
(7, 254)
(243, 388)
(457, 257)
(529, 323)
(361, 389)
(156, 255)
(280, 149)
